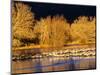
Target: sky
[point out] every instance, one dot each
(70, 12)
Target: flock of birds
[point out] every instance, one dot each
(71, 52)
(82, 52)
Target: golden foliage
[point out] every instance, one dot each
(53, 31)
(83, 30)
(50, 31)
(16, 43)
(22, 23)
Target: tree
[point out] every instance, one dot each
(52, 31)
(22, 22)
(42, 30)
(83, 30)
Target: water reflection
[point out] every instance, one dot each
(52, 64)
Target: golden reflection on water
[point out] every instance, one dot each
(52, 64)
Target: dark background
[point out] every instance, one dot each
(70, 12)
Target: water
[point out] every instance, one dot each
(49, 64)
